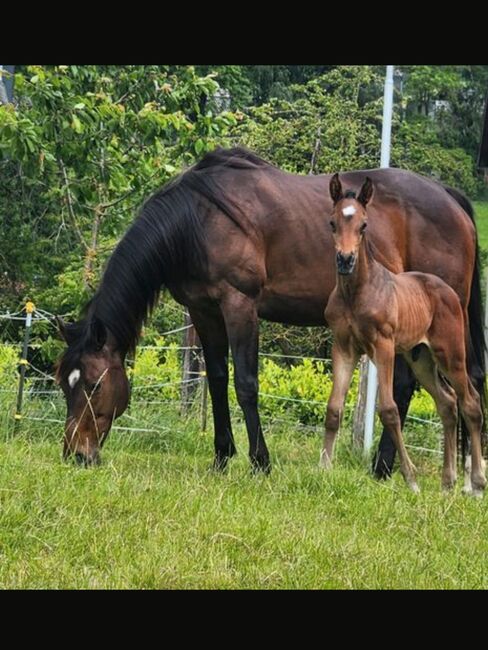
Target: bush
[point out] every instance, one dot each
(157, 373)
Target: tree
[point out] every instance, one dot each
(83, 147)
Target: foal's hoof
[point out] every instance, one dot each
(325, 463)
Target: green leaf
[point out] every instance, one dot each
(76, 124)
(199, 146)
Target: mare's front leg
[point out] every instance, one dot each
(384, 358)
(241, 320)
(210, 327)
(343, 365)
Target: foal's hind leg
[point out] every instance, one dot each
(448, 347)
(425, 370)
(343, 364)
(211, 330)
(384, 358)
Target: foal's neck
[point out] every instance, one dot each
(352, 285)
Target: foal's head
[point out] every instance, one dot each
(92, 375)
(348, 222)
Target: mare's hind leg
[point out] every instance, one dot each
(241, 320)
(343, 364)
(424, 368)
(213, 336)
(385, 358)
(448, 347)
(403, 387)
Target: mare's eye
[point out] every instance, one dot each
(93, 388)
(363, 227)
(333, 226)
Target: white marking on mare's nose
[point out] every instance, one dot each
(349, 211)
(74, 376)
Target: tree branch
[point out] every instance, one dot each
(71, 204)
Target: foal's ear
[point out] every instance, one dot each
(97, 334)
(335, 189)
(366, 192)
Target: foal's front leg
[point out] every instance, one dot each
(343, 364)
(385, 361)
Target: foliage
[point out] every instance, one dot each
(417, 148)
(286, 131)
(157, 373)
(463, 88)
(299, 392)
(84, 145)
(9, 361)
(339, 116)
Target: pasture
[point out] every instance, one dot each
(154, 515)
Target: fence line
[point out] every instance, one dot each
(40, 315)
(293, 399)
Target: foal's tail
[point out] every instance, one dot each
(476, 340)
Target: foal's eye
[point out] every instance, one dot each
(93, 388)
(333, 226)
(363, 227)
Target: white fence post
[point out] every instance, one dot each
(385, 162)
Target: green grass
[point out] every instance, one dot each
(154, 516)
(481, 211)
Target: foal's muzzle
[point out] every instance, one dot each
(345, 263)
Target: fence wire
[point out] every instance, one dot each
(39, 375)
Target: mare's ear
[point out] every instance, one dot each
(67, 331)
(97, 335)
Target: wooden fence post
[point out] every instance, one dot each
(192, 365)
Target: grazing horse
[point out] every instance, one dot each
(375, 312)
(234, 238)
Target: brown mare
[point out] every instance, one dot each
(235, 239)
(375, 312)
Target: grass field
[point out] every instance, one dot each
(154, 516)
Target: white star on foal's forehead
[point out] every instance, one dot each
(74, 376)
(349, 211)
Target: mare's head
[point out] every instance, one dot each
(348, 222)
(92, 376)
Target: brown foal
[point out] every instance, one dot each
(376, 312)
